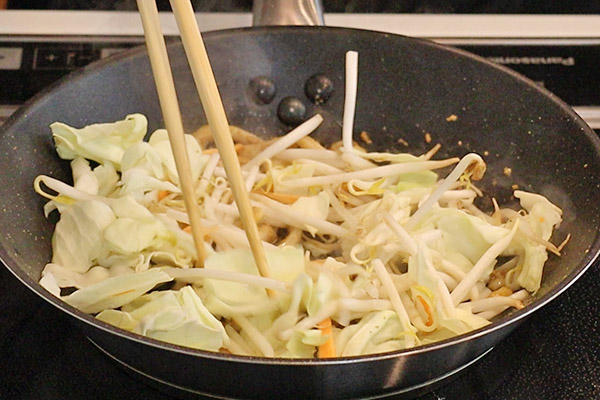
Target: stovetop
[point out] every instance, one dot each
(555, 354)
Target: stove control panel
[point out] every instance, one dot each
(560, 53)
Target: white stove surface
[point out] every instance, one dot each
(433, 26)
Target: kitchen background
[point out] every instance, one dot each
(348, 6)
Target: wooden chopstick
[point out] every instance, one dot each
(219, 126)
(167, 96)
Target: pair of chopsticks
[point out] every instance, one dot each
(215, 114)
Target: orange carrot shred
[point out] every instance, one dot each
(162, 194)
(327, 349)
(427, 310)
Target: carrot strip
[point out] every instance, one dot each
(162, 194)
(427, 311)
(327, 349)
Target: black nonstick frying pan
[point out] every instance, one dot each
(407, 88)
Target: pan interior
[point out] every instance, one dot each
(407, 88)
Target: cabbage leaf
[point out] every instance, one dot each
(99, 142)
(314, 206)
(78, 238)
(231, 298)
(177, 317)
(116, 291)
(378, 332)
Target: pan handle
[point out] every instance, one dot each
(287, 12)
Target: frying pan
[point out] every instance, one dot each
(407, 88)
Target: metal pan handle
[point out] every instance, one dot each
(287, 12)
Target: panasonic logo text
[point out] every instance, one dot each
(567, 61)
